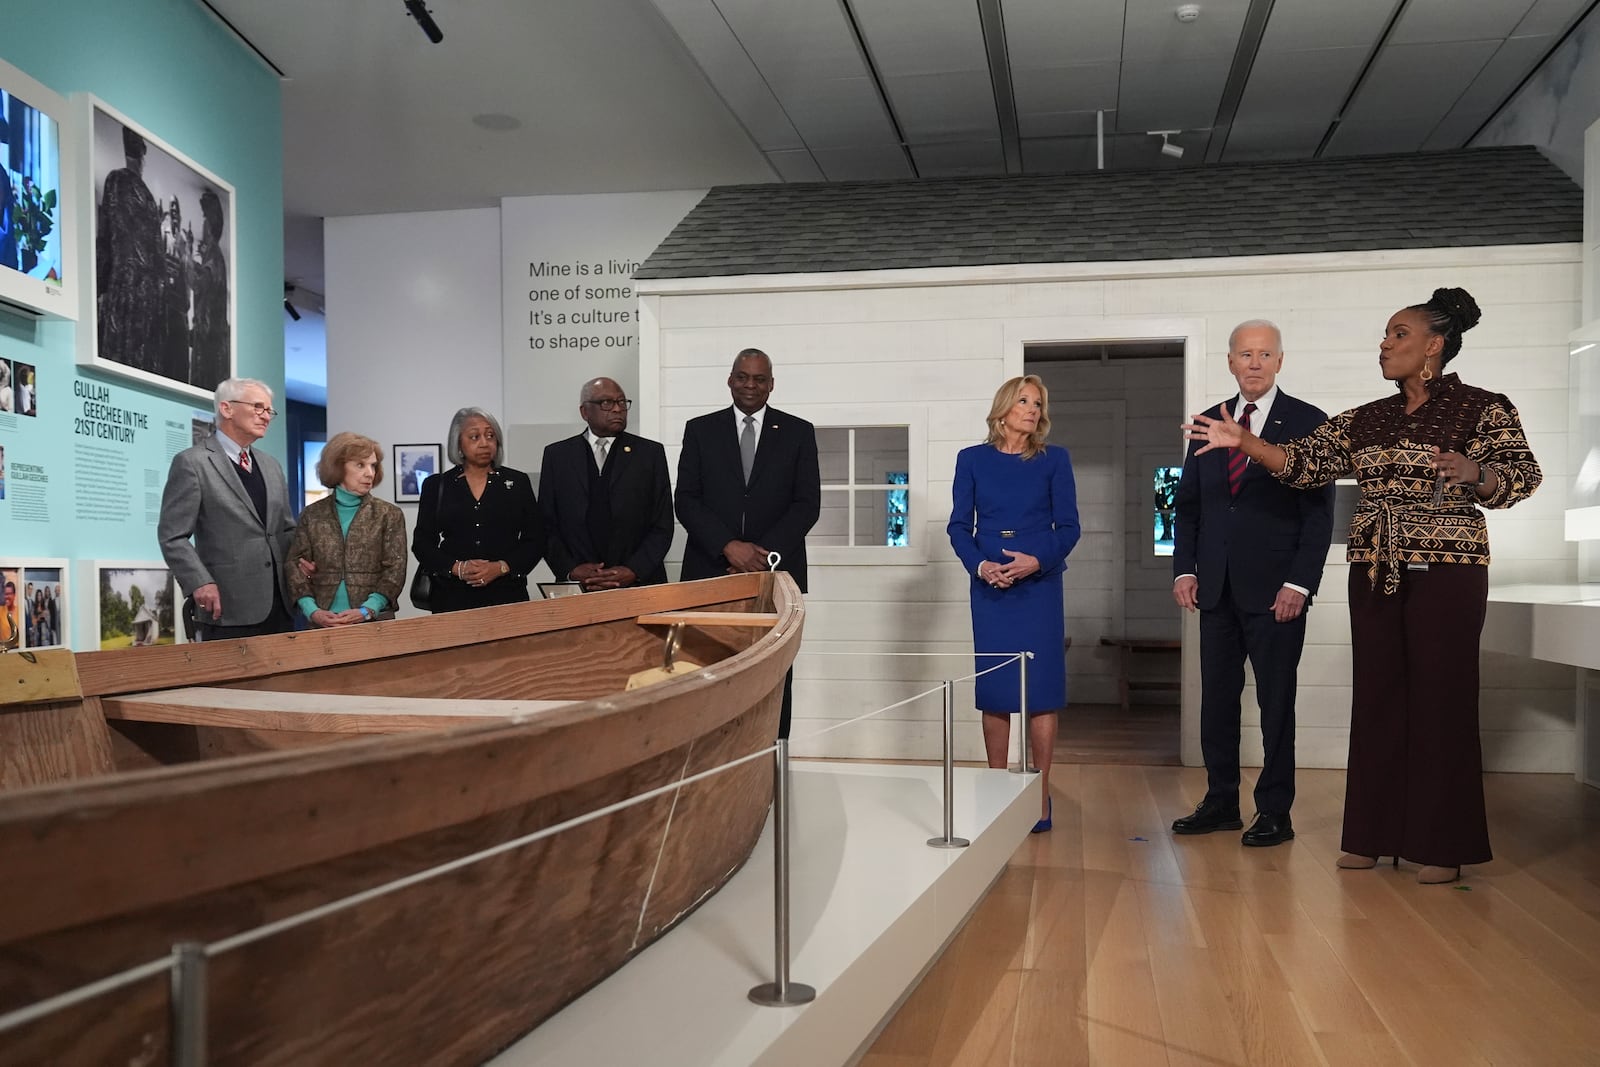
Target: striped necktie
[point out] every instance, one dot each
(244, 460)
(1237, 460)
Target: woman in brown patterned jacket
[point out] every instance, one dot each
(1427, 460)
(355, 542)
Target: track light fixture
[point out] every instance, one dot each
(1167, 147)
(288, 290)
(419, 11)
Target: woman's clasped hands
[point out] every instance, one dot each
(1004, 575)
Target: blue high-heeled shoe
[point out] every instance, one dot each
(1043, 825)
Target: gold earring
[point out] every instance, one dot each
(1427, 371)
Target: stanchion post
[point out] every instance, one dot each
(1025, 764)
(781, 992)
(949, 840)
(188, 1023)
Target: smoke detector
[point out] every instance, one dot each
(1187, 12)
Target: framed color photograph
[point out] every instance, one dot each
(413, 465)
(134, 604)
(35, 612)
(162, 243)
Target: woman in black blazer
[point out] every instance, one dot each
(478, 528)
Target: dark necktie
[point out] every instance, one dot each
(1237, 461)
(747, 447)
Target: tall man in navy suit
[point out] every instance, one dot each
(606, 498)
(748, 485)
(1248, 554)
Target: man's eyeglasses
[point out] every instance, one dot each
(258, 407)
(610, 405)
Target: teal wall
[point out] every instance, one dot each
(70, 491)
(176, 71)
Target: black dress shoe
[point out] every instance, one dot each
(1207, 817)
(1269, 830)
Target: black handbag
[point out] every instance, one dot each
(421, 589)
(422, 581)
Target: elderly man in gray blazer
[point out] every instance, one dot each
(225, 521)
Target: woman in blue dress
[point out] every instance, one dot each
(1014, 520)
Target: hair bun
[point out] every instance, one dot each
(1459, 305)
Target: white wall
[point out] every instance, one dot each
(933, 345)
(413, 328)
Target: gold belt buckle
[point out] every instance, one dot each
(1008, 533)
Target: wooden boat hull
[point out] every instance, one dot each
(109, 872)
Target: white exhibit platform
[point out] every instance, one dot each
(1556, 623)
(872, 905)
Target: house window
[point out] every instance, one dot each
(865, 502)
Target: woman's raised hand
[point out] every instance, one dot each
(1217, 433)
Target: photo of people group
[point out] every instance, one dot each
(35, 613)
(162, 296)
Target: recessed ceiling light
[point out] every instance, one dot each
(497, 122)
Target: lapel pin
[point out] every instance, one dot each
(627, 448)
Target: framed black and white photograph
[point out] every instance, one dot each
(162, 245)
(35, 610)
(135, 604)
(413, 465)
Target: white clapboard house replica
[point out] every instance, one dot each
(893, 310)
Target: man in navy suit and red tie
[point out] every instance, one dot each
(748, 485)
(1248, 555)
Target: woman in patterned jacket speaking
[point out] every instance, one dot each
(1428, 459)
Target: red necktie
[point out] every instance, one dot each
(1237, 460)
(244, 460)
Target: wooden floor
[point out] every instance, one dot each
(1109, 941)
(1103, 733)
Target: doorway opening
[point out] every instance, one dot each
(1116, 406)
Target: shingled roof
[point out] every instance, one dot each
(1481, 196)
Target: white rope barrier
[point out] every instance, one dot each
(21, 1017)
(60, 1002)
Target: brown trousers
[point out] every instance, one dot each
(1414, 787)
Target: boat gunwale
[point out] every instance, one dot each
(42, 827)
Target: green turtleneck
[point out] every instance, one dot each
(346, 504)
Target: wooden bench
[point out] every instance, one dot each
(1128, 647)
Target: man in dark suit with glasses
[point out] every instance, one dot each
(606, 498)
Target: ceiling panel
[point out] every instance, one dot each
(866, 163)
(703, 31)
(1057, 155)
(1297, 25)
(921, 36)
(1494, 83)
(1171, 98)
(1442, 21)
(1080, 87)
(959, 159)
(1550, 16)
(809, 57)
(1418, 80)
(1305, 87)
(944, 107)
(796, 165)
(1064, 123)
(1258, 142)
(1048, 33)
(1173, 72)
